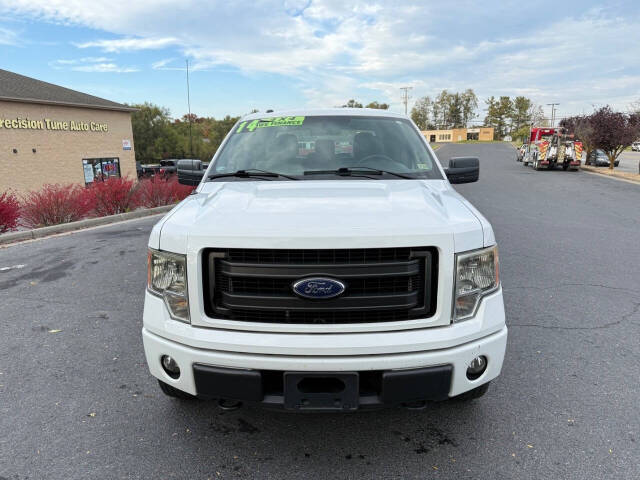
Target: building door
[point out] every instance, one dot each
(432, 139)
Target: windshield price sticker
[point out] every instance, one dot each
(270, 122)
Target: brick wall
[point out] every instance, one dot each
(59, 153)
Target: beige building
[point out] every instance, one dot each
(483, 134)
(51, 134)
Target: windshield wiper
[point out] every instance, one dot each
(349, 171)
(252, 172)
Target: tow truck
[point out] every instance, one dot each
(552, 148)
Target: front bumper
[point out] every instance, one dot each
(192, 360)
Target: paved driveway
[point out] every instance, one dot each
(76, 400)
(629, 162)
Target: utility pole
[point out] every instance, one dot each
(189, 107)
(405, 97)
(553, 113)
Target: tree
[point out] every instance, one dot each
(454, 111)
(469, 106)
(380, 106)
(536, 116)
(156, 136)
(441, 110)
(447, 110)
(149, 123)
(614, 131)
(521, 108)
(499, 115)
(352, 104)
(421, 113)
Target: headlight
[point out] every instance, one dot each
(477, 274)
(167, 278)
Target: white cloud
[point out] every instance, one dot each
(332, 50)
(8, 37)
(129, 44)
(104, 67)
(165, 65)
(91, 64)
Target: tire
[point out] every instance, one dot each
(565, 167)
(173, 392)
(473, 394)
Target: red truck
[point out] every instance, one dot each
(553, 148)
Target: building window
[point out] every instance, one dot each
(99, 169)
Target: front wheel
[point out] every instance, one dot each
(173, 392)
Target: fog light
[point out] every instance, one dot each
(477, 367)
(170, 366)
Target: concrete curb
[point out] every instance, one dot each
(593, 171)
(13, 237)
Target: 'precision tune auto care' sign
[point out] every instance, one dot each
(48, 124)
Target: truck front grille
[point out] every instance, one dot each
(382, 284)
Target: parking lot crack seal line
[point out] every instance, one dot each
(634, 311)
(572, 285)
(58, 302)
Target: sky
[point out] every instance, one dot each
(282, 54)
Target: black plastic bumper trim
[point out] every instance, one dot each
(228, 383)
(392, 387)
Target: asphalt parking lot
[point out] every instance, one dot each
(77, 402)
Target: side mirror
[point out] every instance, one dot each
(190, 172)
(463, 169)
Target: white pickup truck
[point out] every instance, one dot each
(343, 276)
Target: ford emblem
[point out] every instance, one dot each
(319, 288)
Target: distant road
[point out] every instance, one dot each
(629, 162)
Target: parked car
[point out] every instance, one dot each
(599, 159)
(324, 280)
(168, 167)
(635, 147)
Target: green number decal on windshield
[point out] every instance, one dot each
(270, 122)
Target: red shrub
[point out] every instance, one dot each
(54, 204)
(157, 191)
(114, 195)
(9, 212)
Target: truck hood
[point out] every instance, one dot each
(321, 214)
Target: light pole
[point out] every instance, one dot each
(405, 97)
(553, 113)
(189, 108)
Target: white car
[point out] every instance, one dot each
(325, 280)
(635, 147)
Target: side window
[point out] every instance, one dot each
(99, 169)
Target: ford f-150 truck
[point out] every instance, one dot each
(324, 278)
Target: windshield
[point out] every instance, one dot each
(316, 147)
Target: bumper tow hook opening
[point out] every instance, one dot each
(229, 405)
(417, 405)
